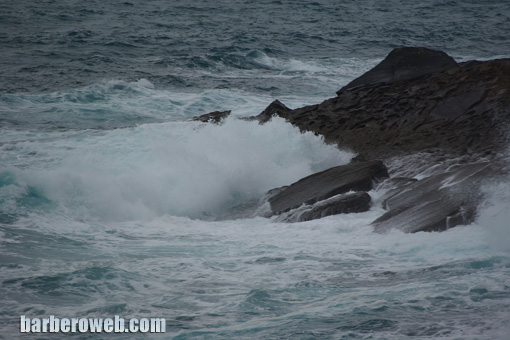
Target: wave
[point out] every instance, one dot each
(292, 65)
(274, 74)
(179, 168)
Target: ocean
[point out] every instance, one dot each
(114, 202)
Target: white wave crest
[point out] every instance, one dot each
(176, 168)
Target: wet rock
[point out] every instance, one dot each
(322, 185)
(415, 102)
(413, 107)
(435, 203)
(405, 63)
(215, 117)
(276, 108)
(342, 204)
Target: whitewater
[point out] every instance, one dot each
(113, 201)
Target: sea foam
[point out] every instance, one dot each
(177, 168)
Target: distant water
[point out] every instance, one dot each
(112, 202)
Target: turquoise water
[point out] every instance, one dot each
(112, 202)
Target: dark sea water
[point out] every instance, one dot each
(112, 202)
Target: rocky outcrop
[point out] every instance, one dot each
(328, 183)
(215, 117)
(416, 101)
(276, 108)
(464, 109)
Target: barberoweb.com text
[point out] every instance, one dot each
(92, 325)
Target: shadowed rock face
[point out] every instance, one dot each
(405, 63)
(328, 183)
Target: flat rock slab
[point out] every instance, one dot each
(328, 183)
(435, 203)
(343, 204)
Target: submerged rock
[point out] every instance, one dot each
(328, 183)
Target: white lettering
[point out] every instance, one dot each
(133, 325)
(108, 325)
(45, 324)
(93, 325)
(25, 324)
(83, 325)
(96, 325)
(144, 325)
(64, 325)
(54, 324)
(74, 322)
(36, 325)
(119, 324)
(158, 325)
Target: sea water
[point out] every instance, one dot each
(114, 202)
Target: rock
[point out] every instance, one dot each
(276, 108)
(416, 102)
(393, 186)
(328, 183)
(435, 203)
(463, 110)
(405, 63)
(341, 204)
(215, 117)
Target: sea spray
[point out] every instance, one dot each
(179, 168)
(494, 215)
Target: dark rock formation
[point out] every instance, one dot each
(437, 202)
(415, 102)
(341, 204)
(464, 109)
(328, 183)
(405, 63)
(276, 108)
(215, 117)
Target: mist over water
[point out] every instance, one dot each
(114, 202)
